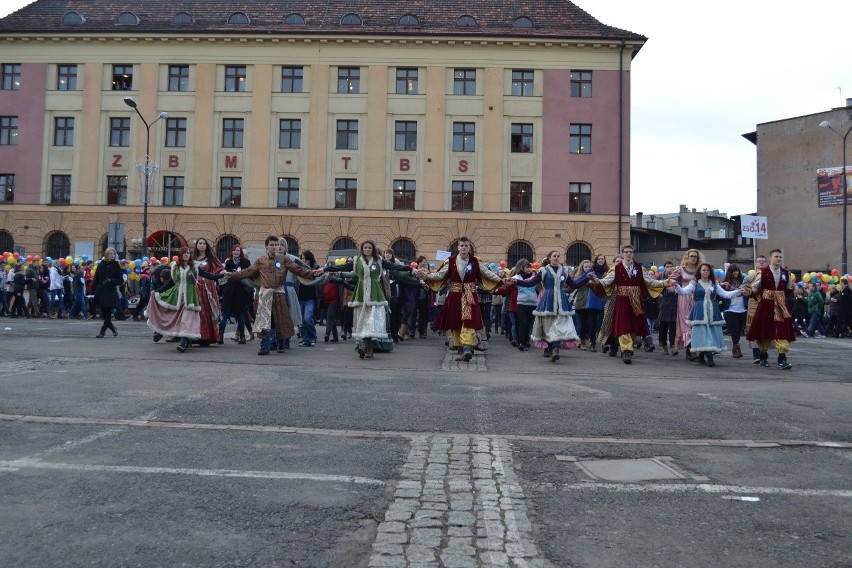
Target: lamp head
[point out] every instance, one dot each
(163, 115)
(823, 124)
(130, 102)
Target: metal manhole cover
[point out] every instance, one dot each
(645, 469)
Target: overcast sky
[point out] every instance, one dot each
(710, 72)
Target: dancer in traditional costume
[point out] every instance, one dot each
(270, 271)
(705, 317)
(627, 282)
(208, 294)
(554, 324)
(460, 314)
(684, 274)
(772, 287)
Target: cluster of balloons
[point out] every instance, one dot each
(826, 280)
(10, 259)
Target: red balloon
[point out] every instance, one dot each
(502, 264)
(175, 258)
(834, 272)
(535, 265)
(413, 264)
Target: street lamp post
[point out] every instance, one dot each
(844, 267)
(146, 170)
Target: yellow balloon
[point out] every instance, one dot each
(825, 278)
(806, 277)
(751, 272)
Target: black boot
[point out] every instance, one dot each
(221, 340)
(756, 354)
(114, 331)
(764, 359)
(101, 334)
(710, 362)
(701, 358)
(782, 362)
(183, 345)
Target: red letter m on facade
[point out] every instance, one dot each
(230, 162)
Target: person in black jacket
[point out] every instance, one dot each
(108, 277)
(237, 295)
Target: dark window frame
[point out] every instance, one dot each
(7, 188)
(464, 82)
(175, 129)
(289, 133)
(66, 77)
(122, 77)
(8, 130)
(233, 132)
(230, 191)
(581, 84)
(580, 197)
(173, 191)
(60, 189)
(292, 79)
(236, 78)
(407, 80)
(119, 132)
(347, 136)
(116, 190)
(404, 193)
(523, 82)
(580, 138)
(462, 195)
(521, 138)
(345, 193)
(178, 78)
(10, 77)
(405, 136)
(464, 137)
(63, 131)
(288, 193)
(348, 80)
(520, 196)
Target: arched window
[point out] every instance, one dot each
(522, 22)
(404, 249)
(182, 18)
(238, 18)
(344, 243)
(57, 245)
(466, 22)
(295, 20)
(7, 243)
(351, 20)
(517, 251)
(409, 20)
(225, 245)
(164, 243)
(292, 245)
(73, 18)
(577, 252)
(127, 19)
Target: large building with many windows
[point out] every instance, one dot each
(407, 122)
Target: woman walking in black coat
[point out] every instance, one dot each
(108, 278)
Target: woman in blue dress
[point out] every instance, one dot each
(705, 318)
(554, 325)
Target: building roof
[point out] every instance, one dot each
(558, 19)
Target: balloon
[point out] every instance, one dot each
(413, 264)
(825, 278)
(792, 277)
(502, 264)
(144, 259)
(655, 268)
(835, 272)
(29, 258)
(69, 259)
(432, 265)
(164, 260)
(535, 265)
(492, 266)
(16, 255)
(175, 258)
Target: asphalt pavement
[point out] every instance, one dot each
(124, 452)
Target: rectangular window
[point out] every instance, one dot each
(405, 138)
(291, 79)
(175, 133)
(116, 190)
(63, 131)
(288, 192)
(581, 139)
(347, 135)
(230, 190)
(462, 196)
(349, 80)
(8, 130)
(235, 78)
(522, 83)
(289, 133)
(119, 132)
(7, 188)
(122, 77)
(522, 138)
(232, 133)
(403, 193)
(581, 84)
(406, 81)
(60, 190)
(179, 78)
(172, 191)
(464, 137)
(580, 198)
(520, 196)
(66, 77)
(345, 193)
(10, 77)
(464, 82)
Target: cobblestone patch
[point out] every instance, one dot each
(476, 364)
(458, 504)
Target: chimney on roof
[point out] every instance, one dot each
(639, 219)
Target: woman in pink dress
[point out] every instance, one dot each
(683, 275)
(208, 295)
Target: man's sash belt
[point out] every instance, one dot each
(468, 291)
(633, 295)
(779, 303)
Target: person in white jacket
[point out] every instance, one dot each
(56, 292)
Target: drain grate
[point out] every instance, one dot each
(631, 470)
